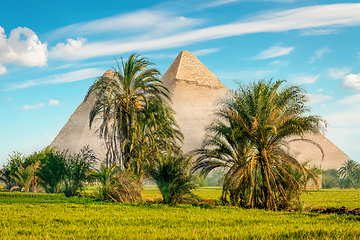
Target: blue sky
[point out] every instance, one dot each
(50, 55)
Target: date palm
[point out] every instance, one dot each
(249, 141)
(349, 169)
(155, 131)
(121, 98)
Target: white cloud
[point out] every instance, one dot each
(27, 107)
(339, 15)
(318, 54)
(274, 51)
(218, 2)
(337, 73)
(62, 78)
(152, 22)
(351, 82)
(301, 79)
(68, 50)
(23, 47)
(2, 70)
(316, 98)
(320, 90)
(280, 63)
(345, 118)
(351, 99)
(205, 51)
(54, 102)
(8, 99)
(347, 138)
(311, 32)
(248, 75)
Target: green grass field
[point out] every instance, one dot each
(53, 216)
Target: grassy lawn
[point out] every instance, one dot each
(53, 216)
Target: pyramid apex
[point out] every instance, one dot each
(188, 68)
(108, 74)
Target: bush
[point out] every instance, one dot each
(330, 178)
(77, 170)
(117, 185)
(171, 174)
(52, 169)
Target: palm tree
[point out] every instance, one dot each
(249, 141)
(348, 170)
(156, 130)
(106, 176)
(25, 176)
(120, 100)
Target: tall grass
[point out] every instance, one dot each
(53, 216)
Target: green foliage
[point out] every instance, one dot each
(216, 178)
(349, 174)
(78, 167)
(117, 185)
(121, 99)
(170, 173)
(330, 178)
(19, 172)
(25, 176)
(5, 176)
(256, 122)
(200, 180)
(52, 169)
(154, 131)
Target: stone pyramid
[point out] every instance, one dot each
(76, 132)
(195, 92)
(333, 156)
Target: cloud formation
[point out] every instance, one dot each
(23, 47)
(27, 107)
(351, 82)
(316, 98)
(53, 102)
(351, 99)
(318, 54)
(301, 79)
(320, 16)
(2, 70)
(203, 52)
(61, 78)
(345, 118)
(337, 73)
(274, 51)
(68, 50)
(314, 32)
(152, 21)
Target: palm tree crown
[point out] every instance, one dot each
(121, 99)
(249, 140)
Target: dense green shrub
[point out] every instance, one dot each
(118, 185)
(330, 178)
(78, 167)
(52, 169)
(171, 174)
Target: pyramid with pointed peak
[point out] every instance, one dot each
(195, 92)
(76, 132)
